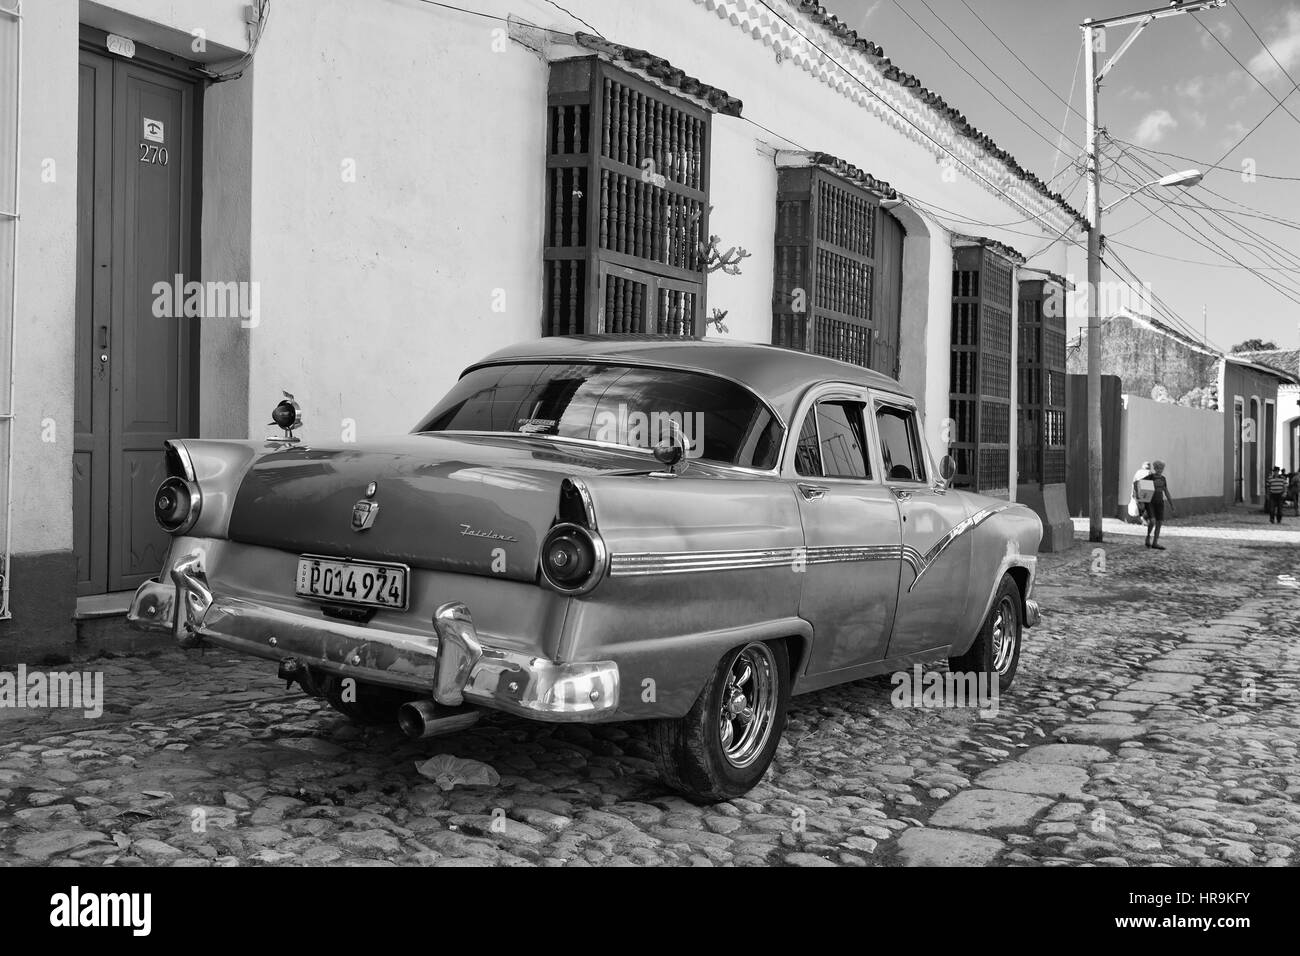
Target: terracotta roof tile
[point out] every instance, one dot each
(663, 71)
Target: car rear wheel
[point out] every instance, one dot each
(996, 650)
(725, 743)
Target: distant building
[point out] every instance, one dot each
(1286, 435)
(1155, 362)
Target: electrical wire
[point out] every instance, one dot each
(1024, 122)
(1264, 86)
(1203, 164)
(574, 16)
(1274, 252)
(974, 172)
(1069, 106)
(235, 70)
(1065, 120)
(1267, 49)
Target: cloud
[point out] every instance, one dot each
(1135, 94)
(1193, 89)
(1199, 119)
(1153, 127)
(1221, 29)
(1235, 131)
(1284, 45)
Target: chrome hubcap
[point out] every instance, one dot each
(748, 705)
(1006, 635)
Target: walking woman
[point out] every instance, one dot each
(1156, 506)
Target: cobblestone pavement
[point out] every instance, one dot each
(1153, 721)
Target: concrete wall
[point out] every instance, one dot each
(1144, 358)
(1187, 440)
(1288, 417)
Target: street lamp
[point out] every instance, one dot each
(1188, 177)
(1092, 31)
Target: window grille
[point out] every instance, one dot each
(980, 374)
(837, 287)
(627, 207)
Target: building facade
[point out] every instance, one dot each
(353, 202)
(1285, 436)
(1160, 368)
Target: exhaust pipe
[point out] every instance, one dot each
(424, 718)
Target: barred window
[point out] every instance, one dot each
(837, 288)
(980, 373)
(627, 211)
(1041, 373)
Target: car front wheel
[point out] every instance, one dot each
(725, 743)
(996, 650)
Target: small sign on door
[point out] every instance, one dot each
(153, 130)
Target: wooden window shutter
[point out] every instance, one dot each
(627, 210)
(837, 288)
(980, 370)
(1041, 374)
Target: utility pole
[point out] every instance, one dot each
(1090, 35)
(1094, 39)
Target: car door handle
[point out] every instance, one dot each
(901, 494)
(812, 492)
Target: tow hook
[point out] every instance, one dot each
(293, 671)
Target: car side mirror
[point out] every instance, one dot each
(948, 470)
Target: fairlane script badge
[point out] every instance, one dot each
(476, 533)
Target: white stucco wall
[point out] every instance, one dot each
(377, 293)
(46, 258)
(378, 288)
(1288, 411)
(1188, 440)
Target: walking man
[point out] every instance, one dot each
(1276, 488)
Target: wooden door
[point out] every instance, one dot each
(138, 169)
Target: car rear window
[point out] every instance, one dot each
(623, 405)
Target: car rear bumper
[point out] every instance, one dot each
(456, 667)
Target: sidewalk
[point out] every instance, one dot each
(1243, 523)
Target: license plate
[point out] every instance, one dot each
(353, 582)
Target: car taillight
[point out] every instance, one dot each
(573, 559)
(176, 505)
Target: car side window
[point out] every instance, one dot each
(807, 456)
(832, 443)
(900, 444)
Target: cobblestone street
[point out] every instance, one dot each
(1153, 721)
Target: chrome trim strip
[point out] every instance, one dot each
(957, 530)
(631, 564)
(592, 443)
(683, 562)
(183, 454)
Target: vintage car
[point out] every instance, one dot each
(602, 529)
